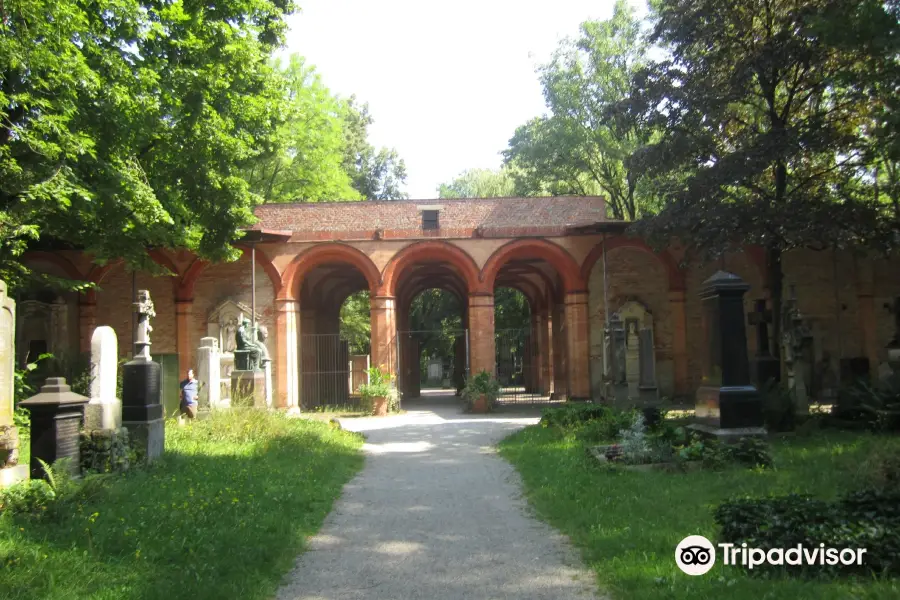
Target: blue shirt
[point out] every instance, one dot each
(189, 391)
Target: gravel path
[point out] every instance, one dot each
(436, 514)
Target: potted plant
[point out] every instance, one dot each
(481, 392)
(378, 392)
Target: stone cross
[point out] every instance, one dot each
(145, 311)
(104, 411)
(209, 373)
(761, 318)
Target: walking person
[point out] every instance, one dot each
(190, 387)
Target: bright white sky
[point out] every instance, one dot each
(447, 82)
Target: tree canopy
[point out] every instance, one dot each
(126, 124)
(479, 183)
(306, 163)
(582, 146)
(377, 174)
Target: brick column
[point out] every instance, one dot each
(577, 345)
(679, 341)
(545, 341)
(87, 322)
(558, 342)
(482, 352)
(183, 319)
(286, 359)
(384, 333)
(865, 297)
(309, 387)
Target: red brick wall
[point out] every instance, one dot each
(114, 308)
(632, 274)
(509, 217)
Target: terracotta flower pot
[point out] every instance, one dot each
(380, 407)
(480, 405)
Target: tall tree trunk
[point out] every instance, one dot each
(776, 288)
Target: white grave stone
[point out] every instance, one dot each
(104, 411)
(208, 373)
(10, 470)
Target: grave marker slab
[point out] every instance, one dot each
(104, 411)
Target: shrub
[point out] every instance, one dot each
(604, 428)
(867, 519)
(749, 451)
(874, 408)
(31, 498)
(379, 386)
(779, 407)
(881, 469)
(569, 415)
(483, 384)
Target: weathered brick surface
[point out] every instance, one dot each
(114, 308)
(843, 296)
(632, 274)
(506, 217)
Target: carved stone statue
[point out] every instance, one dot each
(247, 353)
(262, 334)
(229, 331)
(145, 311)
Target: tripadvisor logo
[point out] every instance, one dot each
(696, 555)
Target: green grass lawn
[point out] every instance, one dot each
(223, 515)
(627, 524)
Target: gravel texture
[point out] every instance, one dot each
(436, 514)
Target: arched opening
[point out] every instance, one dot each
(515, 345)
(335, 334)
(433, 346)
(431, 283)
(537, 359)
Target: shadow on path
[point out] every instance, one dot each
(436, 514)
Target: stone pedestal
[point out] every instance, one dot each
(209, 374)
(142, 411)
(56, 414)
(728, 405)
(248, 388)
(268, 379)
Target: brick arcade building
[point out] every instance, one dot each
(311, 257)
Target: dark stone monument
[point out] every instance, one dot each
(248, 380)
(56, 415)
(764, 367)
(728, 405)
(142, 410)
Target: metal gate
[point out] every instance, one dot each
(408, 347)
(518, 367)
(331, 367)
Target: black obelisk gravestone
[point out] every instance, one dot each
(142, 411)
(728, 405)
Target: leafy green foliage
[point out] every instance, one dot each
(571, 414)
(31, 498)
(213, 489)
(355, 324)
(479, 183)
(872, 407)
(125, 124)
(626, 525)
(376, 174)
(306, 161)
(582, 147)
(481, 385)
(864, 519)
(379, 385)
